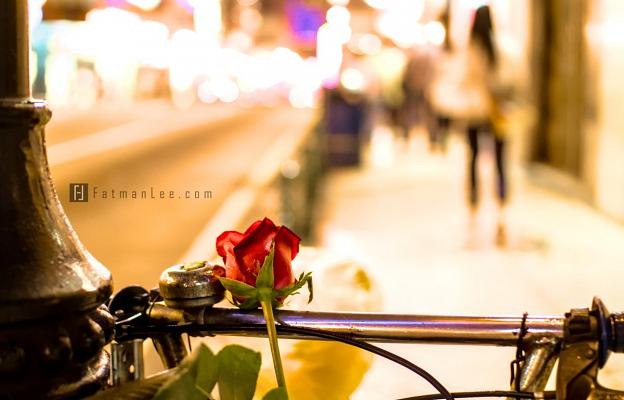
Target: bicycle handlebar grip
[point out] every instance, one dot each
(616, 334)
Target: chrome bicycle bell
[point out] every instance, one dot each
(192, 285)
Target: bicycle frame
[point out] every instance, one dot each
(581, 339)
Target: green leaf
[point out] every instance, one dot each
(194, 379)
(308, 279)
(181, 386)
(207, 371)
(276, 394)
(265, 275)
(249, 304)
(238, 288)
(304, 279)
(238, 372)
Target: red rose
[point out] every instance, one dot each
(244, 253)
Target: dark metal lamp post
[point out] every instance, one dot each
(53, 326)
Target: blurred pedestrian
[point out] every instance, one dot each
(416, 78)
(389, 64)
(484, 114)
(445, 95)
(442, 86)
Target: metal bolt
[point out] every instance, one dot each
(89, 342)
(59, 352)
(590, 353)
(12, 359)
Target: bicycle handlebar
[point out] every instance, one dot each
(581, 339)
(500, 331)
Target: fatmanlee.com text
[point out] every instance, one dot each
(81, 192)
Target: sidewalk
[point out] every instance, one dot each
(406, 220)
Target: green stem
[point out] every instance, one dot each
(267, 310)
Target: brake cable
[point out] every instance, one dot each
(488, 393)
(126, 330)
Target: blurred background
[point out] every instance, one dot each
(462, 155)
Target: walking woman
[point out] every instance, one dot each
(485, 114)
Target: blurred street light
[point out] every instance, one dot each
(343, 3)
(145, 5)
(435, 33)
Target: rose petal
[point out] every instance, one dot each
(254, 247)
(227, 240)
(255, 225)
(225, 248)
(286, 249)
(232, 270)
(218, 271)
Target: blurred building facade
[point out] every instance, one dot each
(605, 30)
(575, 56)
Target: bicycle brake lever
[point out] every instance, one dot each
(585, 349)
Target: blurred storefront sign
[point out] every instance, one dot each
(67, 9)
(304, 20)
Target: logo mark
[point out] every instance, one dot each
(79, 192)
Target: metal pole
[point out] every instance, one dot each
(14, 49)
(53, 326)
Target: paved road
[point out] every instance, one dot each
(207, 148)
(70, 123)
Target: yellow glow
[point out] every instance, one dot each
(207, 18)
(286, 64)
(154, 44)
(435, 33)
(306, 85)
(328, 52)
(399, 22)
(33, 67)
(239, 40)
(60, 72)
(378, 4)
(389, 64)
(338, 15)
(369, 44)
(226, 90)
(146, 5)
(205, 94)
(412, 9)
(382, 147)
(304, 94)
(114, 51)
(301, 98)
(35, 13)
(182, 64)
(338, 18)
(250, 19)
(352, 79)
(479, 3)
